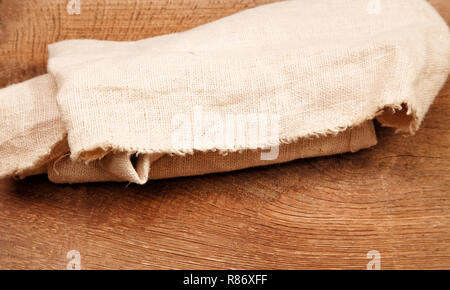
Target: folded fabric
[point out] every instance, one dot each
(27, 27)
(309, 75)
(36, 143)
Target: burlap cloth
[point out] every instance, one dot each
(310, 74)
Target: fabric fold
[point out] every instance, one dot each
(31, 131)
(119, 167)
(271, 84)
(319, 66)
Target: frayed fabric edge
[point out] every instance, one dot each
(99, 151)
(41, 161)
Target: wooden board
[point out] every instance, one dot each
(315, 213)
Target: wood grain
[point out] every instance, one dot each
(315, 213)
(27, 27)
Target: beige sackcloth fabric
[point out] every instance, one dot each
(27, 27)
(161, 107)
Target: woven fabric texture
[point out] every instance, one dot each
(299, 78)
(27, 27)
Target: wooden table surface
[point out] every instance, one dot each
(316, 213)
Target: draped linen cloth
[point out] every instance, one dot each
(172, 105)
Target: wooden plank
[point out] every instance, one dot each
(314, 213)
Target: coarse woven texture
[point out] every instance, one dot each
(36, 142)
(31, 129)
(319, 67)
(119, 167)
(27, 27)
